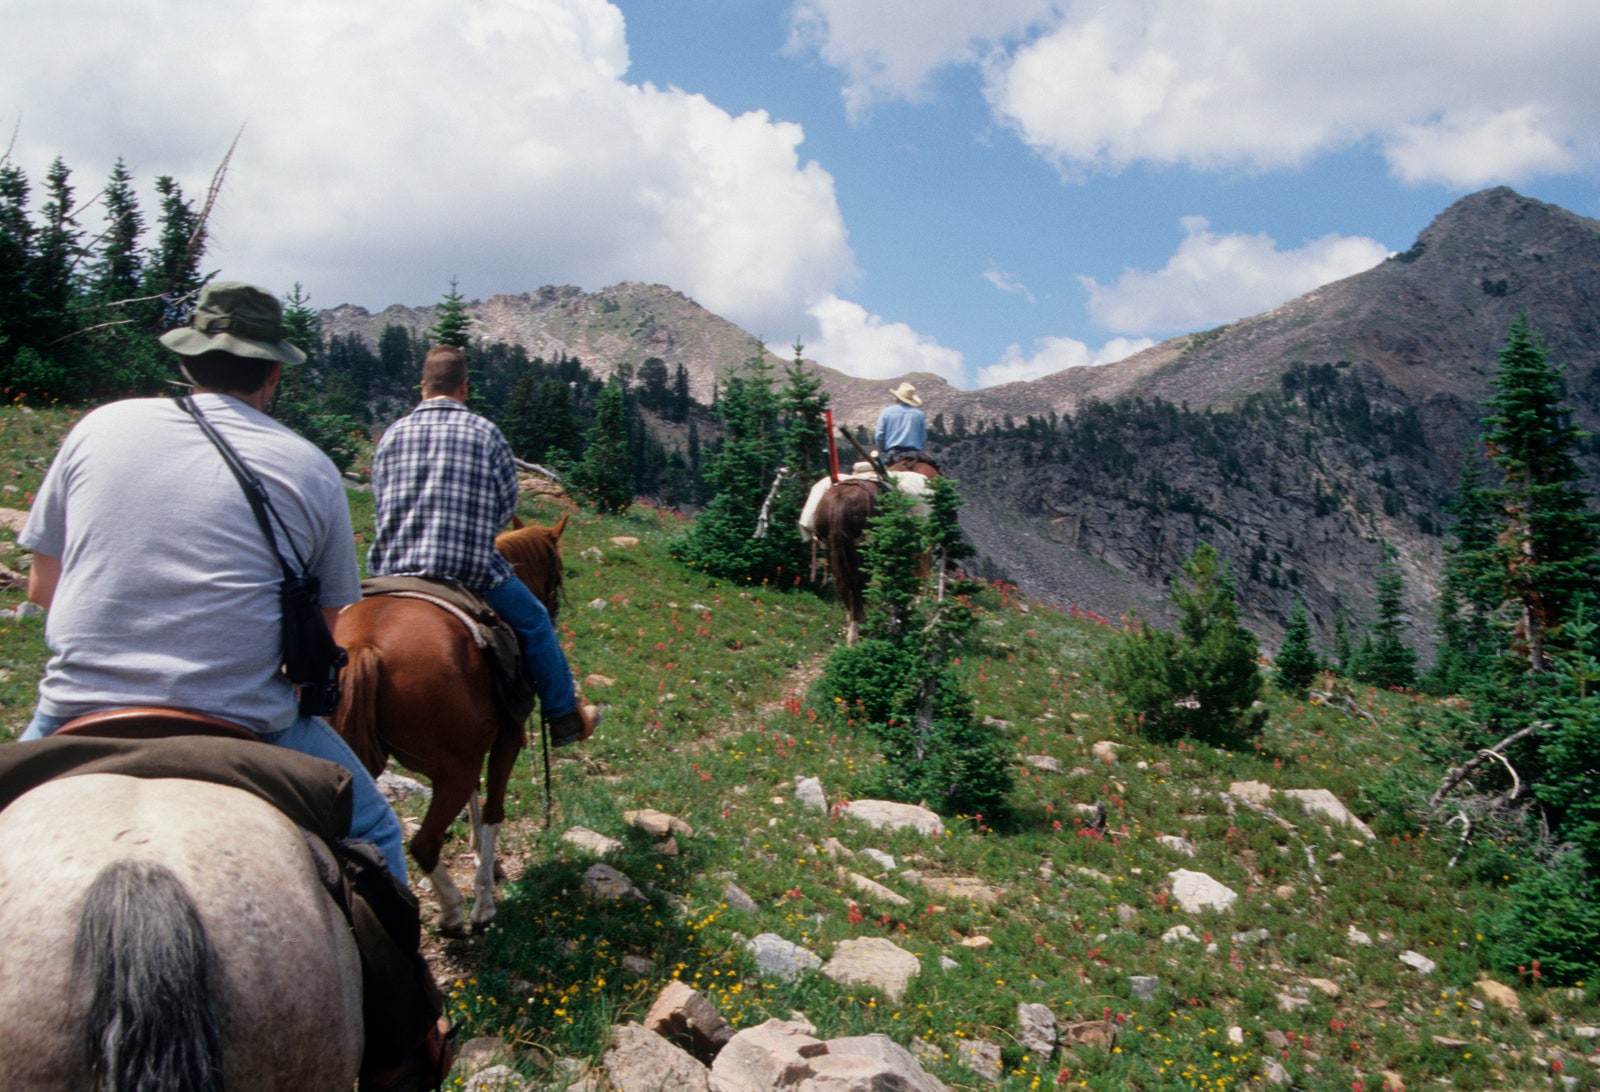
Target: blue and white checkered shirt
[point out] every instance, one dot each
(445, 484)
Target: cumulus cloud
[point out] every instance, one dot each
(1475, 93)
(501, 142)
(1005, 282)
(1055, 354)
(1213, 279)
(863, 344)
(890, 49)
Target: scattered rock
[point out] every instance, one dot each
(1080, 771)
(1392, 1081)
(1499, 993)
(1176, 844)
(623, 542)
(872, 961)
(657, 824)
(603, 681)
(497, 1078)
(596, 604)
(881, 814)
(601, 881)
(1324, 803)
(963, 887)
(1236, 1035)
(1144, 986)
(1276, 1039)
(1284, 891)
(593, 554)
(638, 966)
(873, 889)
(781, 958)
(1178, 934)
(1044, 763)
(1357, 937)
(808, 790)
(995, 722)
(982, 1058)
(400, 787)
(977, 943)
(26, 609)
(681, 1015)
(642, 1061)
(785, 1054)
(736, 899)
(1273, 1071)
(1326, 985)
(1290, 1003)
(948, 964)
(1195, 892)
(1257, 792)
(1036, 1029)
(835, 848)
(1584, 1031)
(668, 848)
(1418, 962)
(1089, 1033)
(13, 519)
(1125, 913)
(1105, 751)
(880, 858)
(481, 1053)
(1444, 1042)
(593, 841)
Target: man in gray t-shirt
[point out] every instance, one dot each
(161, 587)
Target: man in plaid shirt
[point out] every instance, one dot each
(445, 485)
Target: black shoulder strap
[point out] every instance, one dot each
(254, 491)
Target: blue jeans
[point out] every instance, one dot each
(541, 649)
(371, 820)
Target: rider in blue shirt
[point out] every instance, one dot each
(902, 429)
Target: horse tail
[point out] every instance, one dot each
(142, 958)
(357, 717)
(845, 526)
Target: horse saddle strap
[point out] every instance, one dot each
(152, 722)
(460, 602)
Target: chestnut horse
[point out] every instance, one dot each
(418, 687)
(166, 933)
(840, 523)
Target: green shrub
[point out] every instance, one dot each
(1551, 916)
(1201, 681)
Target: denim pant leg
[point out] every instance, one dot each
(541, 649)
(372, 819)
(42, 724)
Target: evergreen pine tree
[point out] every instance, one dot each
(1387, 661)
(173, 268)
(452, 326)
(16, 257)
(1296, 666)
(119, 268)
(1552, 532)
(604, 477)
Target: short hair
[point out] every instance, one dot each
(220, 370)
(443, 370)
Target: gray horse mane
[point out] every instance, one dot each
(142, 958)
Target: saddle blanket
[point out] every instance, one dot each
(514, 696)
(912, 484)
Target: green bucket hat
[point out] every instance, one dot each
(235, 318)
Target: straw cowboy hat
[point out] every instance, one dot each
(235, 318)
(906, 393)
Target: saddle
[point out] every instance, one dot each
(400, 1000)
(514, 696)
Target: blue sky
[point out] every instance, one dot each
(985, 189)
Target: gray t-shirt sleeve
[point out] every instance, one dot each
(46, 529)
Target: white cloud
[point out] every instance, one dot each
(1005, 282)
(1463, 94)
(498, 142)
(890, 49)
(862, 344)
(1212, 279)
(1054, 354)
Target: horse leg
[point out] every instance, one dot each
(502, 757)
(450, 796)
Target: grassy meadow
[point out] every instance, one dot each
(706, 686)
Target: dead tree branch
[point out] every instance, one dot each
(1461, 772)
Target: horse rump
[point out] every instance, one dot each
(142, 960)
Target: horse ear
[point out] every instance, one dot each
(516, 522)
(560, 526)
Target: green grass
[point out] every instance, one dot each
(709, 718)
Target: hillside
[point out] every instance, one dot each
(1311, 979)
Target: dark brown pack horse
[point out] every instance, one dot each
(840, 523)
(417, 687)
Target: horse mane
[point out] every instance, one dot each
(535, 552)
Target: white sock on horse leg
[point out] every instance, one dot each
(483, 894)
